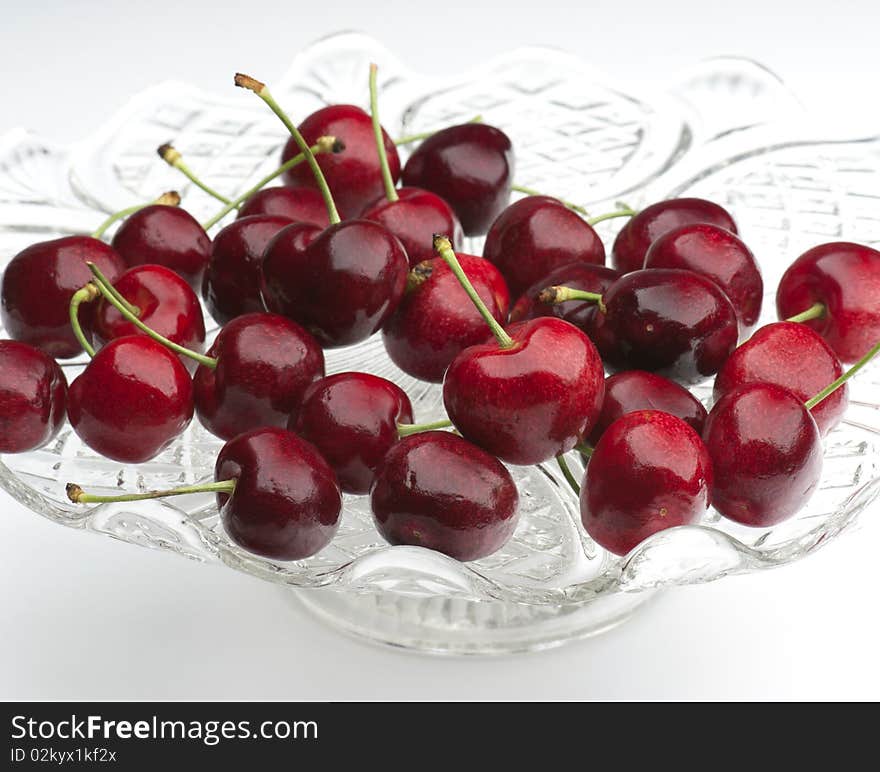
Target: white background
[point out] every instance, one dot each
(87, 617)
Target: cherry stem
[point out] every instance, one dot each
(623, 211)
(443, 247)
(322, 145)
(404, 430)
(552, 296)
(387, 179)
(532, 192)
(107, 291)
(171, 198)
(832, 387)
(262, 91)
(85, 295)
(566, 473)
(815, 311)
(410, 138)
(171, 155)
(78, 496)
(584, 449)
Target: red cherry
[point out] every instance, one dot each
(766, 452)
(792, 356)
(634, 390)
(436, 490)
(353, 174)
(537, 235)
(845, 279)
(436, 319)
(295, 204)
(352, 418)
(286, 503)
(265, 363)
(39, 283)
(165, 235)
(33, 396)
(650, 471)
(631, 244)
(468, 166)
(233, 278)
(132, 400)
(719, 255)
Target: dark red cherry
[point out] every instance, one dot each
(296, 204)
(631, 244)
(353, 174)
(766, 452)
(719, 255)
(650, 471)
(845, 278)
(132, 400)
(436, 319)
(33, 397)
(668, 320)
(286, 503)
(537, 235)
(468, 166)
(265, 363)
(790, 355)
(436, 490)
(232, 284)
(341, 283)
(351, 418)
(39, 283)
(634, 390)
(531, 401)
(165, 235)
(414, 218)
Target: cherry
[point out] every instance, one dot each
(436, 319)
(470, 167)
(537, 235)
(132, 400)
(631, 244)
(792, 356)
(650, 471)
(232, 284)
(439, 491)
(352, 419)
(33, 397)
(835, 289)
(719, 255)
(766, 452)
(295, 204)
(634, 390)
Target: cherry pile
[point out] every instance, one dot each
(520, 338)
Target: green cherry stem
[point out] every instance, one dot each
(171, 156)
(566, 473)
(106, 290)
(622, 212)
(85, 295)
(532, 192)
(78, 496)
(387, 179)
(410, 138)
(404, 430)
(443, 247)
(262, 91)
(584, 449)
(552, 296)
(815, 311)
(171, 198)
(832, 387)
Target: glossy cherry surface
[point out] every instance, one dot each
(633, 240)
(165, 235)
(33, 397)
(719, 255)
(790, 355)
(264, 365)
(634, 390)
(40, 281)
(414, 218)
(296, 204)
(668, 320)
(354, 174)
(132, 400)
(650, 471)
(232, 284)
(436, 319)
(351, 418)
(532, 401)
(286, 503)
(537, 235)
(844, 277)
(341, 283)
(439, 491)
(766, 452)
(468, 166)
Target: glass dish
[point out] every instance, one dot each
(727, 130)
